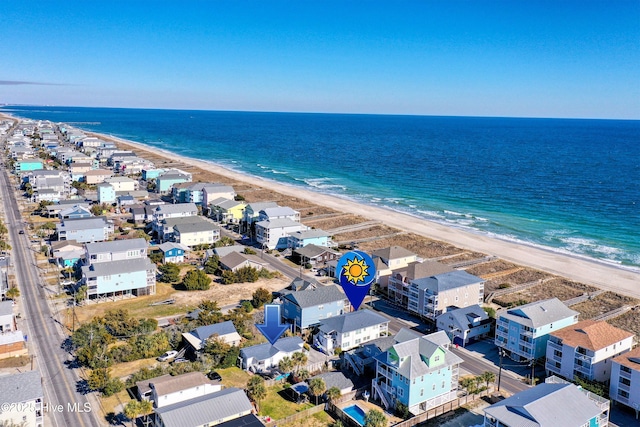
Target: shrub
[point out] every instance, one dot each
(196, 280)
(170, 272)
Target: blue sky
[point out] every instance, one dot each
(481, 58)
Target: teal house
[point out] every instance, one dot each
(28, 165)
(421, 373)
(165, 181)
(149, 174)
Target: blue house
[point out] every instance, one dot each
(421, 373)
(307, 308)
(523, 331)
(173, 252)
(165, 181)
(106, 193)
(74, 212)
(302, 238)
(551, 404)
(149, 174)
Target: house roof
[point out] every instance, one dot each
(99, 269)
(176, 208)
(446, 281)
(538, 313)
(277, 211)
(66, 243)
(246, 421)
(116, 246)
(278, 223)
(591, 335)
(392, 252)
(630, 359)
(225, 250)
(234, 259)
(167, 246)
(226, 203)
(256, 207)
(6, 308)
(335, 379)
(417, 270)
(195, 227)
(352, 321)
(266, 350)
(22, 387)
(11, 337)
(220, 329)
(312, 251)
(312, 297)
(167, 384)
(309, 234)
(205, 409)
(461, 317)
(217, 188)
(98, 172)
(74, 208)
(546, 405)
(83, 223)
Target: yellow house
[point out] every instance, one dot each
(225, 210)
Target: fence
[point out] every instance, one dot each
(297, 416)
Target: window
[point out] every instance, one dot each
(433, 387)
(437, 358)
(443, 382)
(400, 392)
(421, 392)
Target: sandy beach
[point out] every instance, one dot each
(599, 274)
(579, 269)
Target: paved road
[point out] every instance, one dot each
(43, 334)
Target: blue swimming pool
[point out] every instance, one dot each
(355, 412)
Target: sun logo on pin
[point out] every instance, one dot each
(356, 270)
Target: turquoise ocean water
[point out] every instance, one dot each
(571, 186)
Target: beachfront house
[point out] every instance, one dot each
(164, 229)
(429, 297)
(624, 387)
(585, 350)
(391, 258)
(551, 404)
(117, 268)
(167, 179)
(224, 331)
(350, 330)
(22, 395)
(173, 252)
(229, 407)
(84, 230)
(202, 232)
(226, 210)
(316, 255)
(200, 193)
(122, 183)
(419, 373)
(465, 325)
(179, 210)
(400, 278)
(274, 234)
(309, 307)
(302, 238)
(216, 191)
(264, 357)
(152, 173)
(523, 331)
(252, 213)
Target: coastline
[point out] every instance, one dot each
(588, 271)
(601, 274)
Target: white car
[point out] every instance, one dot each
(168, 356)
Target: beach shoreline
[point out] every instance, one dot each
(617, 278)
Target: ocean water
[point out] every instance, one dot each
(569, 185)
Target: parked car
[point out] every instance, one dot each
(21, 232)
(213, 375)
(179, 360)
(168, 356)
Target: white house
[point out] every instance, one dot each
(585, 350)
(274, 234)
(122, 183)
(625, 379)
(202, 232)
(465, 325)
(224, 331)
(263, 357)
(168, 390)
(350, 330)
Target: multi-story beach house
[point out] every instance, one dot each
(226, 210)
(179, 210)
(96, 176)
(388, 259)
(75, 212)
(316, 255)
(22, 395)
(167, 179)
(252, 212)
(429, 297)
(216, 191)
(624, 387)
(399, 280)
(274, 234)
(309, 307)
(302, 238)
(27, 165)
(85, 230)
(522, 332)
(554, 403)
(172, 252)
(202, 232)
(419, 373)
(200, 193)
(350, 330)
(118, 267)
(278, 212)
(465, 325)
(122, 183)
(106, 193)
(585, 350)
(78, 169)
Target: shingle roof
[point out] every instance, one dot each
(278, 223)
(167, 384)
(195, 227)
(6, 308)
(176, 208)
(116, 246)
(233, 259)
(205, 409)
(83, 223)
(258, 206)
(352, 321)
(460, 316)
(446, 281)
(266, 350)
(23, 387)
(277, 211)
(417, 270)
(335, 379)
(223, 328)
(167, 246)
(630, 359)
(117, 267)
(312, 251)
(309, 234)
(591, 335)
(225, 250)
(546, 405)
(538, 313)
(392, 252)
(316, 296)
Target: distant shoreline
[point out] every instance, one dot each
(608, 276)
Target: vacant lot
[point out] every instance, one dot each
(309, 212)
(424, 247)
(519, 277)
(557, 288)
(629, 321)
(466, 256)
(338, 221)
(601, 304)
(373, 231)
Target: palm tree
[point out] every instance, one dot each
(256, 390)
(146, 408)
(317, 386)
(132, 410)
(488, 377)
(285, 365)
(333, 394)
(375, 418)
(13, 293)
(299, 359)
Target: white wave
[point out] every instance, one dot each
(453, 213)
(431, 214)
(278, 172)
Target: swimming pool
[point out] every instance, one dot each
(355, 412)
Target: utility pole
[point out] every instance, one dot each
(501, 353)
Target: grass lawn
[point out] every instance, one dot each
(109, 404)
(234, 377)
(320, 419)
(278, 407)
(138, 306)
(127, 368)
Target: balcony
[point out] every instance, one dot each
(585, 370)
(551, 367)
(554, 346)
(584, 358)
(624, 387)
(526, 344)
(500, 323)
(526, 333)
(502, 334)
(625, 374)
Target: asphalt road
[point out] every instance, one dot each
(63, 405)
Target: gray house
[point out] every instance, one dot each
(84, 230)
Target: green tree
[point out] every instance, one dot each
(212, 264)
(488, 377)
(317, 387)
(261, 297)
(247, 274)
(4, 246)
(333, 394)
(299, 360)
(256, 389)
(375, 418)
(217, 349)
(81, 294)
(132, 410)
(229, 277)
(170, 272)
(156, 257)
(303, 374)
(285, 365)
(491, 312)
(196, 280)
(402, 410)
(13, 293)
(224, 241)
(249, 251)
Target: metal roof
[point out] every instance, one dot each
(176, 208)
(539, 313)
(335, 379)
(100, 269)
(6, 308)
(116, 246)
(195, 227)
(446, 281)
(83, 223)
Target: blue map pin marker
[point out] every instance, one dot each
(356, 272)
